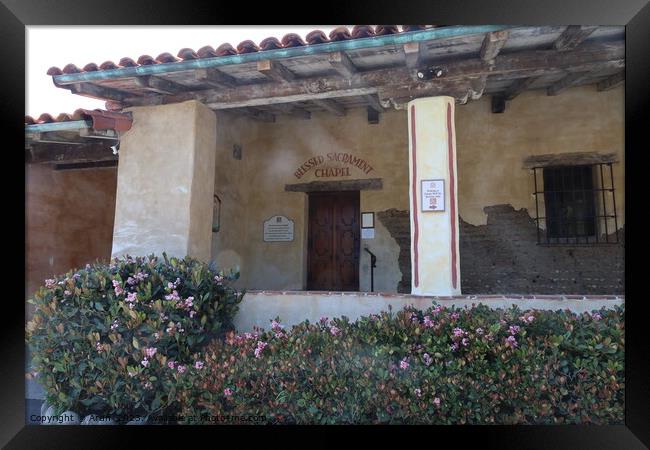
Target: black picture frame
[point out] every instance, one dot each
(634, 14)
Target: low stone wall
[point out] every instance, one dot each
(258, 308)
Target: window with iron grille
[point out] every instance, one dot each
(575, 204)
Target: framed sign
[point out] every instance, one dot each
(367, 220)
(433, 195)
(278, 229)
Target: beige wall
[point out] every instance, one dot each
(165, 182)
(492, 147)
(253, 189)
(490, 151)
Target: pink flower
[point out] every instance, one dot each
(170, 285)
(458, 332)
(131, 297)
(148, 385)
(455, 315)
(172, 296)
(479, 331)
(131, 281)
(454, 346)
(335, 331)
(323, 320)
(76, 276)
(171, 364)
(50, 283)
(275, 326)
(145, 362)
(114, 325)
(511, 341)
(436, 310)
(513, 329)
(198, 365)
(436, 401)
(117, 287)
(428, 322)
(150, 351)
(181, 368)
(67, 292)
(418, 392)
(260, 347)
(192, 313)
(427, 359)
(596, 316)
(227, 392)
(403, 364)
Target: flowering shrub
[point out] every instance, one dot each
(440, 366)
(114, 339)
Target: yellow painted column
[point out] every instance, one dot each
(433, 197)
(165, 182)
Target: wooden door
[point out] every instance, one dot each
(334, 241)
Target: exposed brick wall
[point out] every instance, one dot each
(503, 257)
(399, 226)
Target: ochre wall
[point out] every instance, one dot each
(491, 149)
(69, 220)
(253, 189)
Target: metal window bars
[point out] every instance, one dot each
(577, 205)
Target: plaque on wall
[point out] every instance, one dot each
(278, 229)
(433, 195)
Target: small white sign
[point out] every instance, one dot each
(367, 233)
(278, 229)
(433, 195)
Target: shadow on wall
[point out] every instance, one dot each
(502, 257)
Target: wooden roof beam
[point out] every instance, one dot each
(98, 92)
(568, 81)
(159, 85)
(215, 78)
(611, 82)
(373, 102)
(332, 106)
(572, 36)
(43, 153)
(492, 45)
(275, 71)
(291, 110)
(258, 115)
(517, 87)
(342, 64)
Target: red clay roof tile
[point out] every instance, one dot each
(362, 31)
(270, 43)
(101, 120)
(29, 120)
(247, 47)
(187, 53)
(146, 60)
(316, 37)
(340, 34)
(225, 50)
(108, 65)
(383, 30)
(45, 118)
(292, 40)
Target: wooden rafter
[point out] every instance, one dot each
(291, 110)
(99, 92)
(612, 81)
(568, 81)
(342, 64)
(492, 45)
(275, 71)
(517, 87)
(572, 36)
(215, 78)
(332, 106)
(160, 85)
(373, 102)
(43, 153)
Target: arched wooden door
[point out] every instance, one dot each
(333, 241)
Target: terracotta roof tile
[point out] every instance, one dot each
(166, 58)
(340, 34)
(206, 52)
(71, 68)
(289, 40)
(383, 30)
(362, 31)
(101, 120)
(90, 67)
(146, 60)
(108, 65)
(292, 40)
(187, 53)
(270, 43)
(316, 37)
(127, 62)
(247, 47)
(225, 50)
